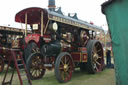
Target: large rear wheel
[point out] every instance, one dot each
(1, 64)
(64, 67)
(35, 66)
(95, 56)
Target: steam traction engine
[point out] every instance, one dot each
(9, 38)
(60, 42)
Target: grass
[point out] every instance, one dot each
(106, 77)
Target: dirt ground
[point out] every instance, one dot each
(107, 77)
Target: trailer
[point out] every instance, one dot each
(9, 38)
(60, 42)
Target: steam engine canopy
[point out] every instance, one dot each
(34, 17)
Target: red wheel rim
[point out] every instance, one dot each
(98, 60)
(37, 69)
(66, 68)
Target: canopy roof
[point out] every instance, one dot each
(33, 15)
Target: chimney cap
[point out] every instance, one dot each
(51, 4)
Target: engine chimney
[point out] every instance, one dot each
(51, 5)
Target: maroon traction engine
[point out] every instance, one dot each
(60, 42)
(9, 39)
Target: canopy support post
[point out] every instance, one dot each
(42, 23)
(25, 24)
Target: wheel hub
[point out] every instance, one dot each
(65, 67)
(95, 57)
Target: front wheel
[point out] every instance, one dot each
(1, 64)
(35, 66)
(64, 67)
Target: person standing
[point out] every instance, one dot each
(108, 56)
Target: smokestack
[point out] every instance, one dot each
(51, 5)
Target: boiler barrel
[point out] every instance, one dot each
(51, 49)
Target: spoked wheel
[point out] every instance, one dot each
(31, 48)
(1, 64)
(95, 56)
(35, 66)
(64, 67)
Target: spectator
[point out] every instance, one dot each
(108, 56)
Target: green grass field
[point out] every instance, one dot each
(107, 77)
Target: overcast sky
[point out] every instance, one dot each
(87, 10)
